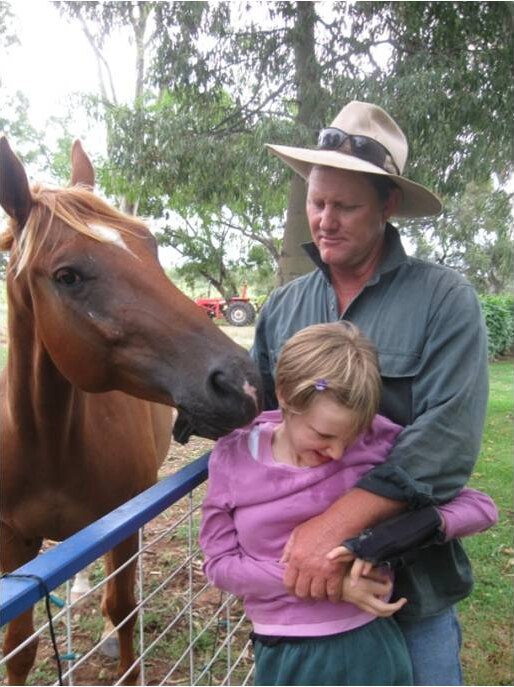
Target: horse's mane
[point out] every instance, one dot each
(76, 206)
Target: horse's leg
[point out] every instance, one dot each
(15, 551)
(119, 600)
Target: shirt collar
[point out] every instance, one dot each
(393, 256)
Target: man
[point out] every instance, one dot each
(426, 323)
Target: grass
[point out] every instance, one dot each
(487, 614)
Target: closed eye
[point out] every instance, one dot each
(323, 436)
(346, 208)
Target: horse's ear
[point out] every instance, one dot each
(82, 171)
(15, 197)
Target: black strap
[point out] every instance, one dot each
(392, 541)
(46, 591)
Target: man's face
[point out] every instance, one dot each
(346, 217)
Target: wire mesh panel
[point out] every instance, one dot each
(188, 633)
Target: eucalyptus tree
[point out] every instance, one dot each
(443, 70)
(450, 82)
(475, 235)
(221, 79)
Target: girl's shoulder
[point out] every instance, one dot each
(236, 445)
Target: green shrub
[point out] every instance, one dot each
(259, 301)
(499, 319)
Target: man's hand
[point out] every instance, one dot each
(308, 572)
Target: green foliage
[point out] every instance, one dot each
(474, 235)
(499, 318)
(220, 193)
(259, 301)
(449, 84)
(14, 123)
(216, 81)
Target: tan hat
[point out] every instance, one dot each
(364, 138)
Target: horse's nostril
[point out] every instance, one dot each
(221, 383)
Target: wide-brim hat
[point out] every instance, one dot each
(365, 125)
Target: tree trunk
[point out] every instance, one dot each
(293, 261)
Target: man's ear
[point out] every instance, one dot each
(392, 203)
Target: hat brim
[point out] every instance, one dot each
(417, 201)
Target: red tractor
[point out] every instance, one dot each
(238, 310)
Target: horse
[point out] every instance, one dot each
(102, 347)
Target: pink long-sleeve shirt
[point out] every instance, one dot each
(253, 504)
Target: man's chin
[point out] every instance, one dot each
(331, 255)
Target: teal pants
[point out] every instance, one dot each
(374, 654)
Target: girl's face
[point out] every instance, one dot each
(317, 435)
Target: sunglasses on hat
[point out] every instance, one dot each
(362, 147)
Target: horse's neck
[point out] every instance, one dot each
(41, 402)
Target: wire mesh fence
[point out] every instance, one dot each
(187, 632)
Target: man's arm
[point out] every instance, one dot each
(308, 572)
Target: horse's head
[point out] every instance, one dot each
(89, 286)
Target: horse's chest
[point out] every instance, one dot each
(50, 514)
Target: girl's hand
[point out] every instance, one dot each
(360, 568)
(368, 592)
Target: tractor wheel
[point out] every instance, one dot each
(240, 313)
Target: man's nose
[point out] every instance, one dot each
(328, 218)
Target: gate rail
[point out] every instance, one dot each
(221, 624)
(66, 559)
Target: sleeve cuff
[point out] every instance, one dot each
(392, 482)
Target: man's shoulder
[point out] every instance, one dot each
(305, 286)
(433, 283)
(416, 268)
(305, 281)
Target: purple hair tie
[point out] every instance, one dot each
(321, 385)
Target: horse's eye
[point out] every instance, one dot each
(67, 277)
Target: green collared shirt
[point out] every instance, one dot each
(427, 325)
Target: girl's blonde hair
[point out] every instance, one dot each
(335, 359)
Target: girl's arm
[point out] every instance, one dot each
(226, 565)
(470, 512)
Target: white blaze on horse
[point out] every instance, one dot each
(101, 347)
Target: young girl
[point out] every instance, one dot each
(287, 467)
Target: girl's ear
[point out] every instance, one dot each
(281, 403)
